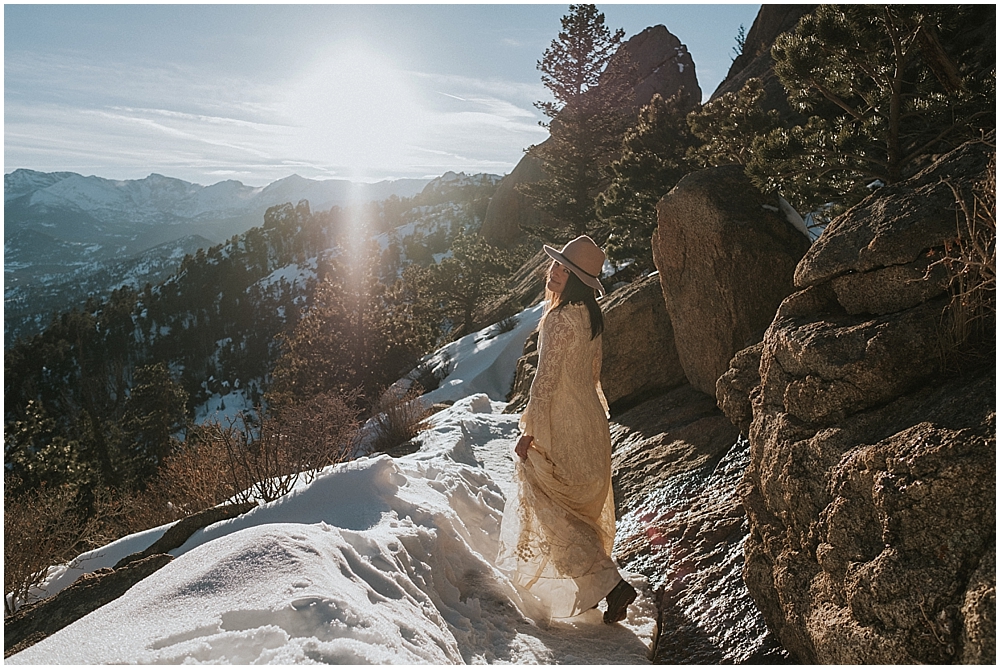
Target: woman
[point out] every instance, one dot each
(559, 523)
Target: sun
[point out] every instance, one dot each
(357, 110)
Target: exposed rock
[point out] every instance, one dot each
(91, 591)
(181, 531)
(736, 388)
(664, 66)
(871, 488)
(640, 359)
(898, 224)
(755, 59)
(726, 259)
(524, 374)
(509, 209)
(676, 465)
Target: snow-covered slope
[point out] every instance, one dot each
(375, 561)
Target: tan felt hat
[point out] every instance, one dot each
(583, 257)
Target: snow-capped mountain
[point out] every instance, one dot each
(67, 236)
(160, 199)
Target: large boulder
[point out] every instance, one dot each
(726, 256)
(871, 487)
(677, 463)
(640, 359)
(664, 66)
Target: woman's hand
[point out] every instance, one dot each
(522, 446)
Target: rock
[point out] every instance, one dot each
(898, 224)
(509, 209)
(755, 59)
(664, 66)
(182, 530)
(640, 359)
(736, 388)
(676, 465)
(726, 259)
(37, 621)
(871, 487)
(524, 374)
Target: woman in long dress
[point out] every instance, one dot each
(559, 523)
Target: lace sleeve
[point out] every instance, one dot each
(555, 344)
(598, 355)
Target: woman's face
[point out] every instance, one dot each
(558, 276)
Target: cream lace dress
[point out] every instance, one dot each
(559, 520)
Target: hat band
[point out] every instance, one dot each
(592, 276)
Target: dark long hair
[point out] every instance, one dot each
(577, 292)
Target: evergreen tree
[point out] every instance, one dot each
(885, 86)
(358, 334)
(653, 160)
(474, 273)
(587, 120)
(731, 126)
(154, 412)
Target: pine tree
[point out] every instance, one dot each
(154, 412)
(730, 127)
(587, 120)
(886, 86)
(653, 159)
(474, 273)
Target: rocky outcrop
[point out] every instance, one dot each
(677, 463)
(88, 593)
(181, 531)
(524, 374)
(664, 66)
(755, 60)
(639, 361)
(726, 257)
(509, 209)
(871, 486)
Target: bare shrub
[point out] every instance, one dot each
(970, 260)
(397, 418)
(40, 529)
(265, 455)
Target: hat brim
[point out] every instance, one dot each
(591, 281)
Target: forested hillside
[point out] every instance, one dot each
(211, 331)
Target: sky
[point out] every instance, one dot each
(256, 93)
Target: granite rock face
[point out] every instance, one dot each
(664, 66)
(677, 462)
(640, 359)
(755, 59)
(726, 257)
(871, 485)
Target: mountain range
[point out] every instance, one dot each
(68, 236)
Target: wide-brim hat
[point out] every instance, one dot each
(583, 257)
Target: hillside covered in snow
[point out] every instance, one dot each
(377, 560)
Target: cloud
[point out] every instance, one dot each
(365, 118)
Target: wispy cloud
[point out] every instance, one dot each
(330, 121)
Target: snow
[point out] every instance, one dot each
(794, 218)
(378, 560)
(482, 362)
